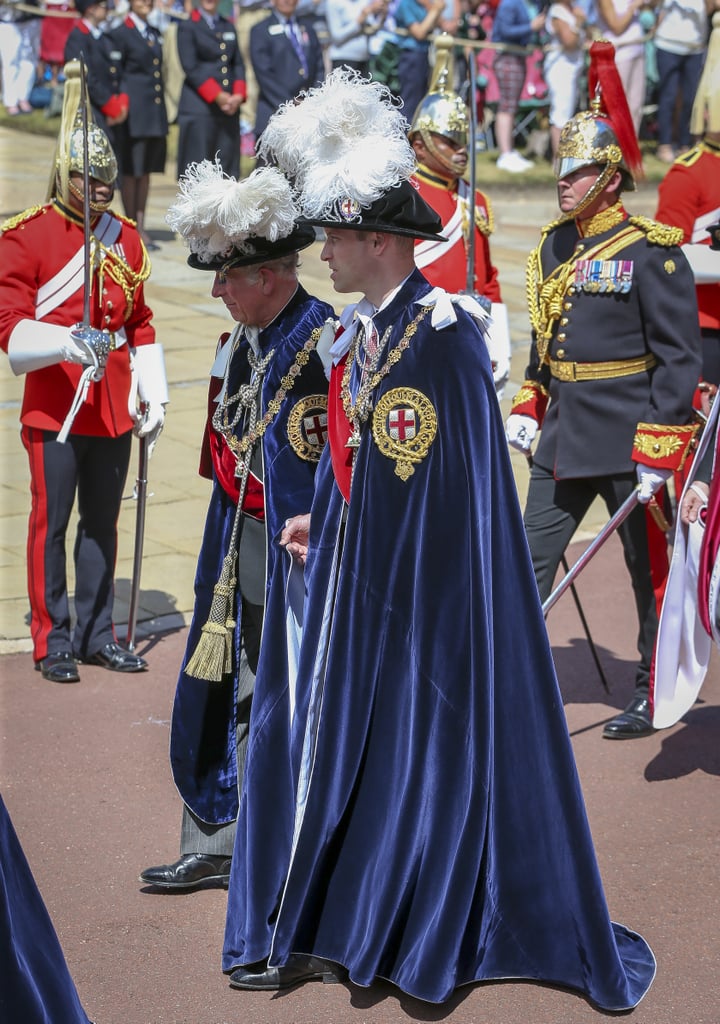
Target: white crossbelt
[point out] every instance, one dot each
(71, 277)
(429, 251)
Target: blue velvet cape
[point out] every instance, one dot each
(437, 833)
(35, 984)
(203, 753)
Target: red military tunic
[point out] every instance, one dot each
(689, 198)
(444, 263)
(41, 252)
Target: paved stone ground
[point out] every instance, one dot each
(84, 769)
(86, 779)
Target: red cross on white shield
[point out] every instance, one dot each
(315, 429)
(402, 425)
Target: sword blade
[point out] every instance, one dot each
(141, 498)
(472, 175)
(86, 189)
(609, 528)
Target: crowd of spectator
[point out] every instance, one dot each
(278, 47)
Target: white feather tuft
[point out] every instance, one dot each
(346, 138)
(215, 214)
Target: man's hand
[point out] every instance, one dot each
(228, 102)
(520, 432)
(92, 348)
(149, 424)
(694, 500)
(295, 537)
(650, 480)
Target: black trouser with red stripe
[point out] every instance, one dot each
(553, 512)
(94, 468)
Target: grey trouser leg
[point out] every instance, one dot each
(197, 836)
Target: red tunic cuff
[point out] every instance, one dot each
(209, 90)
(116, 105)
(663, 447)
(531, 400)
(240, 89)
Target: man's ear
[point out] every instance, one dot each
(267, 277)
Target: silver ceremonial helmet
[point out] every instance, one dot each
(588, 139)
(442, 111)
(69, 154)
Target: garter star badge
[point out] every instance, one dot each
(349, 209)
(404, 427)
(307, 427)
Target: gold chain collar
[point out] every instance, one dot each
(358, 413)
(240, 446)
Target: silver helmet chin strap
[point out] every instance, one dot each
(95, 206)
(592, 193)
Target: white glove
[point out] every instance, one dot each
(498, 343)
(33, 345)
(520, 431)
(650, 480)
(704, 263)
(324, 343)
(149, 369)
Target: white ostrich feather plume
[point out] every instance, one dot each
(346, 138)
(215, 214)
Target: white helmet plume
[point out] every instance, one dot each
(345, 139)
(215, 214)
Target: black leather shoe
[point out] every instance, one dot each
(192, 871)
(117, 659)
(297, 970)
(59, 668)
(633, 722)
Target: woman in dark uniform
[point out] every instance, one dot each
(142, 139)
(213, 90)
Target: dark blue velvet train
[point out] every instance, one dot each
(203, 746)
(35, 984)
(422, 821)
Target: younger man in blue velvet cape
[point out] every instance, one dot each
(430, 829)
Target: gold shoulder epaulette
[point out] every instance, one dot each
(20, 218)
(689, 158)
(485, 226)
(552, 225)
(657, 233)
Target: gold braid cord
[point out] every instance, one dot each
(111, 263)
(657, 233)
(485, 226)
(19, 218)
(545, 295)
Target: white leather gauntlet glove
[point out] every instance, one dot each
(149, 368)
(520, 431)
(498, 343)
(33, 345)
(650, 480)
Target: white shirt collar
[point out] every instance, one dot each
(140, 25)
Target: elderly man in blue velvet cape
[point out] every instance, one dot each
(263, 438)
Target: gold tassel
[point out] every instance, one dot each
(212, 658)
